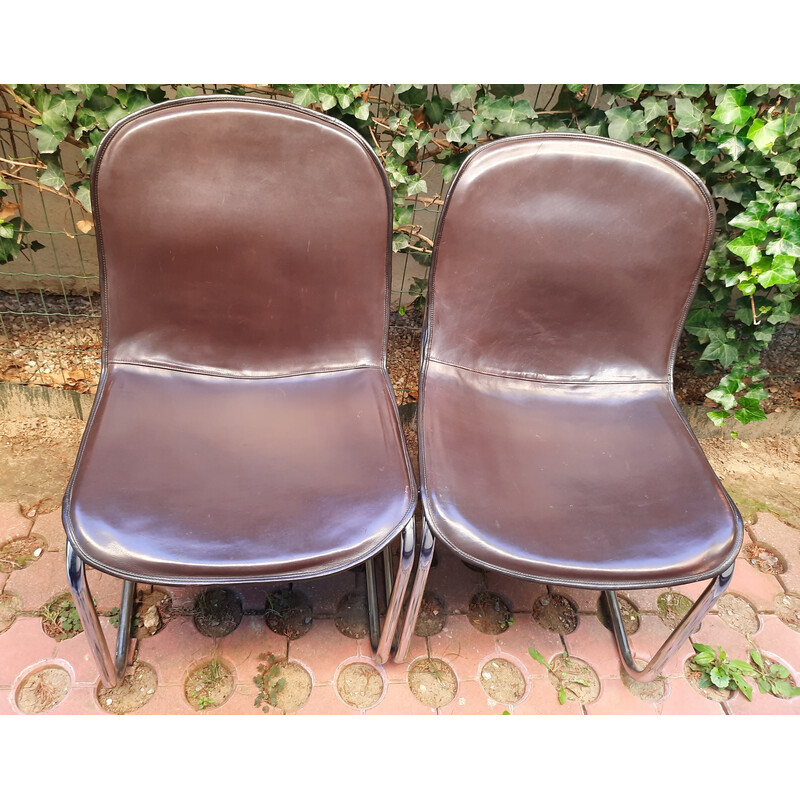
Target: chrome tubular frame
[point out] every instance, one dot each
(395, 603)
(414, 602)
(686, 627)
(110, 671)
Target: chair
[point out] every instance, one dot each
(244, 428)
(551, 444)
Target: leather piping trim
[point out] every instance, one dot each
(104, 362)
(426, 358)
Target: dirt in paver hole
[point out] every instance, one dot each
(787, 610)
(60, 618)
(764, 558)
(10, 606)
(134, 691)
(672, 607)
(651, 692)
(288, 613)
(351, 617)
(288, 685)
(489, 613)
(432, 615)
(209, 684)
(21, 553)
(433, 682)
(628, 611)
(574, 678)
(42, 690)
(360, 685)
(738, 614)
(217, 612)
(502, 681)
(710, 692)
(556, 613)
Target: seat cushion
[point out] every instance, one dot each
(594, 485)
(192, 478)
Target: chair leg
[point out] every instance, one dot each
(686, 627)
(110, 671)
(372, 605)
(395, 604)
(425, 558)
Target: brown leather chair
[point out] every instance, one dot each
(244, 429)
(551, 444)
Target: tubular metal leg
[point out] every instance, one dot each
(110, 672)
(372, 605)
(687, 625)
(407, 544)
(425, 558)
(388, 572)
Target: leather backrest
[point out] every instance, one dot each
(567, 257)
(241, 236)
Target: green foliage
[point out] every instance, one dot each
(269, 681)
(62, 615)
(743, 141)
(564, 680)
(718, 670)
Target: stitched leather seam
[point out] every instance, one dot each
(238, 376)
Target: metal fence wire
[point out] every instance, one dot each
(49, 295)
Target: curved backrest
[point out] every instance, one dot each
(241, 236)
(567, 257)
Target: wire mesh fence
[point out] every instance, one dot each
(49, 295)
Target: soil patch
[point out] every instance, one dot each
(42, 690)
(402, 360)
(288, 613)
(217, 612)
(738, 614)
(764, 558)
(134, 691)
(60, 618)
(709, 692)
(21, 553)
(351, 618)
(503, 681)
(574, 679)
(672, 607)
(787, 610)
(284, 685)
(556, 613)
(651, 692)
(360, 685)
(489, 613)
(209, 684)
(760, 475)
(628, 611)
(10, 606)
(433, 682)
(432, 615)
(36, 459)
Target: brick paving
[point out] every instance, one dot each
(323, 651)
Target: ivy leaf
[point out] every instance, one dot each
(455, 126)
(688, 115)
(786, 162)
(763, 134)
(415, 185)
(506, 89)
(184, 91)
(327, 96)
(746, 246)
(60, 111)
(631, 90)
(6, 230)
(720, 349)
(718, 417)
(624, 123)
(787, 245)
(750, 410)
(733, 145)
(752, 217)
(461, 91)
(780, 271)
(415, 95)
(54, 174)
(450, 167)
(732, 110)
(654, 108)
(361, 110)
(47, 139)
(704, 151)
(399, 241)
(305, 95)
(83, 195)
(436, 108)
(402, 145)
(724, 398)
